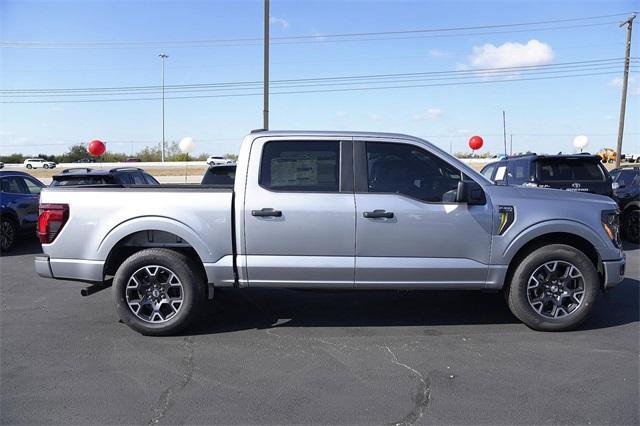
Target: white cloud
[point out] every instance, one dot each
(436, 53)
(511, 55)
(429, 114)
(342, 114)
(633, 86)
(280, 21)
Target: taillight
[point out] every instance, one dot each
(51, 220)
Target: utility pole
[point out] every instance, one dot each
(511, 144)
(265, 111)
(625, 82)
(504, 131)
(163, 57)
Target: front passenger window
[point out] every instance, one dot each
(412, 171)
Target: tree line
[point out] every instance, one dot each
(79, 152)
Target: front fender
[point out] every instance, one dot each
(602, 246)
(155, 223)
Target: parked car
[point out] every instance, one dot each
(626, 183)
(632, 158)
(334, 210)
(19, 197)
(118, 176)
(1, 165)
(215, 160)
(86, 160)
(578, 173)
(133, 160)
(220, 175)
(34, 163)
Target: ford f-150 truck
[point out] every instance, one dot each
(333, 210)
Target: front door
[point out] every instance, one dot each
(411, 233)
(299, 214)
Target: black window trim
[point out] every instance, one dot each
(345, 165)
(361, 174)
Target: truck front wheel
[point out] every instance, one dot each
(553, 288)
(158, 291)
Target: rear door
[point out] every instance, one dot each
(410, 231)
(299, 213)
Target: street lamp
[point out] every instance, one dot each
(163, 57)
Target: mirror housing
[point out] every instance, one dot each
(470, 192)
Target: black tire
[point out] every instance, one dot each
(8, 234)
(29, 166)
(518, 300)
(46, 166)
(193, 290)
(631, 225)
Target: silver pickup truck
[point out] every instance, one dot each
(334, 210)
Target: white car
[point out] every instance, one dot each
(633, 158)
(215, 160)
(34, 163)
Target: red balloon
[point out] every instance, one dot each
(96, 148)
(475, 142)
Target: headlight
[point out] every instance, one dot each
(611, 225)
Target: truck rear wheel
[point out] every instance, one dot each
(158, 291)
(553, 288)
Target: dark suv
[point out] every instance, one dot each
(579, 173)
(117, 176)
(626, 192)
(19, 197)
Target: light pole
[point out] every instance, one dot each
(163, 57)
(265, 110)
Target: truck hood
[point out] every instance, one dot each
(514, 194)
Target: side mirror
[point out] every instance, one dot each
(471, 193)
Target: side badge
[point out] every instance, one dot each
(507, 216)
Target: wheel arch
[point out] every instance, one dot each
(567, 238)
(149, 232)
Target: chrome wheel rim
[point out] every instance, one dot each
(154, 294)
(556, 289)
(6, 235)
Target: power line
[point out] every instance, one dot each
(326, 83)
(311, 91)
(313, 38)
(476, 72)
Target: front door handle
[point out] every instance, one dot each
(266, 213)
(376, 214)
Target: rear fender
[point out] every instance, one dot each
(155, 223)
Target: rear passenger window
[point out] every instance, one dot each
(13, 185)
(138, 179)
(301, 166)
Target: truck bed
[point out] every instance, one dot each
(100, 217)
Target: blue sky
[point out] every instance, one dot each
(542, 115)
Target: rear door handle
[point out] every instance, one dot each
(266, 213)
(376, 214)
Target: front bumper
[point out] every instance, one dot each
(70, 269)
(613, 271)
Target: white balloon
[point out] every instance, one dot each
(580, 142)
(186, 145)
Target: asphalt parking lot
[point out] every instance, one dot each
(302, 357)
